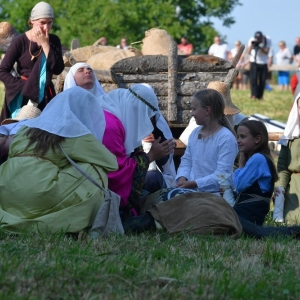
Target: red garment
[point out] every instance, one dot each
(119, 181)
(186, 49)
(18, 52)
(294, 83)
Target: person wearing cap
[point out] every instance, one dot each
(230, 109)
(40, 189)
(38, 55)
(258, 47)
(185, 48)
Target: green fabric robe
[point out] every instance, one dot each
(288, 167)
(48, 193)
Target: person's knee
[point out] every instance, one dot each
(154, 181)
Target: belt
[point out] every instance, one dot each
(24, 77)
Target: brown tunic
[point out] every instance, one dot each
(18, 52)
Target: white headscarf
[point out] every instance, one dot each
(97, 89)
(292, 129)
(132, 112)
(72, 113)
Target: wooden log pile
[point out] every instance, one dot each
(174, 78)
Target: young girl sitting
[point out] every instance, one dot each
(212, 147)
(255, 177)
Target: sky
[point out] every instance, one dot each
(275, 18)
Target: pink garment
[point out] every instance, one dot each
(119, 181)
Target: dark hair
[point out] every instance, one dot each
(213, 99)
(258, 128)
(43, 139)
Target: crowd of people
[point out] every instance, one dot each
(57, 150)
(255, 62)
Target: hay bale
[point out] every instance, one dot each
(104, 61)
(82, 54)
(156, 42)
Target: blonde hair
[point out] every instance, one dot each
(215, 101)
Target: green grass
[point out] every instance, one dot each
(154, 265)
(150, 266)
(276, 104)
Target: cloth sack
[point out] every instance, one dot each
(105, 60)
(156, 42)
(194, 212)
(108, 218)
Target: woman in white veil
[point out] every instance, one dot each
(39, 188)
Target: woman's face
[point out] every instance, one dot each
(44, 23)
(84, 78)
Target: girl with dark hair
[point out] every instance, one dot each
(212, 146)
(254, 179)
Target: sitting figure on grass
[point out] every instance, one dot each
(39, 188)
(212, 146)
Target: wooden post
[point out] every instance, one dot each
(172, 81)
(238, 55)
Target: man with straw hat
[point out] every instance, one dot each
(230, 109)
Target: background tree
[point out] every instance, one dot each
(89, 20)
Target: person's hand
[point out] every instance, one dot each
(149, 139)
(41, 36)
(222, 190)
(160, 150)
(186, 184)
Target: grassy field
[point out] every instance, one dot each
(149, 266)
(154, 265)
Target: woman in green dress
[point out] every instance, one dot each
(39, 188)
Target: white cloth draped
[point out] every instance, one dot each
(292, 129)
(72, 113)
(97, 89)
(132, 112)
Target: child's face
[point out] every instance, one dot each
(246, 142)
(200, 114)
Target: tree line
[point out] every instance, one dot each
(89, 20)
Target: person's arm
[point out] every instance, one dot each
(254, 169)
(266, 46)
(12, 54)
(185, 167)
(284, 173)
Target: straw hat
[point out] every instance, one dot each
(26, 112)
(224, 89)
